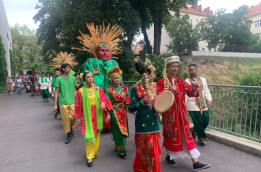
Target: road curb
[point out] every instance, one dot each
(235, 142)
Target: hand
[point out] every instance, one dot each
(78, 123)
(102, 106)
(146, 101)
(55, 108)
(209, 103)
(196, 84)
(173, 89)
(108, 118)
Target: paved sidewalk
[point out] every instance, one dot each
(31, 140)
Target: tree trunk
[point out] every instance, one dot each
(144, 32)
(157, 35)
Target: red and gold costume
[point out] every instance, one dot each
(147, 129)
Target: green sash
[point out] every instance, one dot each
(89, 134)
(42, 79)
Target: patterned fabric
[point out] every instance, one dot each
(200, 99)
(148, 152)
(176, 119)
(92, 147)
(119, 106)
(67, 116)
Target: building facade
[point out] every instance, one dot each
(196, 14)
(5, 34)
(255, 15)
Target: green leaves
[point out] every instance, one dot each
(184, 38)
(3, 65)
(26, 49)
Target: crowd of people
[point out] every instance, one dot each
(82, 103)
(97, 99)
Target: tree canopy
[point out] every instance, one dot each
(229, 32)
(26, 50)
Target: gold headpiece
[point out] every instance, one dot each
(148, 63)
(63, 57)
(172, 59)
(101, 35)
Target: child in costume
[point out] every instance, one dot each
(147, 129)
(117, 100)
(89, 105)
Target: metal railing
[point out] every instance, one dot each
(235, 110)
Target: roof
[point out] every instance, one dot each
(254, 10)
(197, 9)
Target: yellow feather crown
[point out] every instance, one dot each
(101, 34)
(63, 57)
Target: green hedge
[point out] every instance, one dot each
(3, 71)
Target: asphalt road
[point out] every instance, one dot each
(31, 140)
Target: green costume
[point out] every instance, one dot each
(118, 99)
(200, 123)
(98, 68)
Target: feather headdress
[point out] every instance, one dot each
(63, 57)
(101, 35)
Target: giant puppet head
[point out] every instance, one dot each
(102, 51)
(102, 41)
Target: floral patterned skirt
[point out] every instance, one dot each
(148, 152)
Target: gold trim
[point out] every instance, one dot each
(148, 132)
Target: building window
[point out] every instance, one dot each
(190, 22)
(7, 36)
(257, 23)
(260, 35)
(197, 21)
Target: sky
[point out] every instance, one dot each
(22, 11)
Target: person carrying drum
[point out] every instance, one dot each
(178, 140)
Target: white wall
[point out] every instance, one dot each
(226, 54)
(6, 35)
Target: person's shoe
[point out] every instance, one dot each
(199, 166)
(122, 156)
(201, 144)
(47, 100)
(32, 95)
(44, 100)
(68, 139)
(89, 163)
(171, 162)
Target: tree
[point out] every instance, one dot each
(157, 12)
(3, 65)
(13, 63)
(26, 49)
(230, 32)
(60, 29)
(184, 38)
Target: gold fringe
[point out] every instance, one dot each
(100, 34)
(63, 57)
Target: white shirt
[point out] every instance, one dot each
(44, 85)
(191, 102)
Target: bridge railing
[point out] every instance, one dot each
(235, 110)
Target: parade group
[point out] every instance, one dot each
(96, 99)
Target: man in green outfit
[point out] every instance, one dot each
(197, 106)
(56, 75)
(65, 89)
